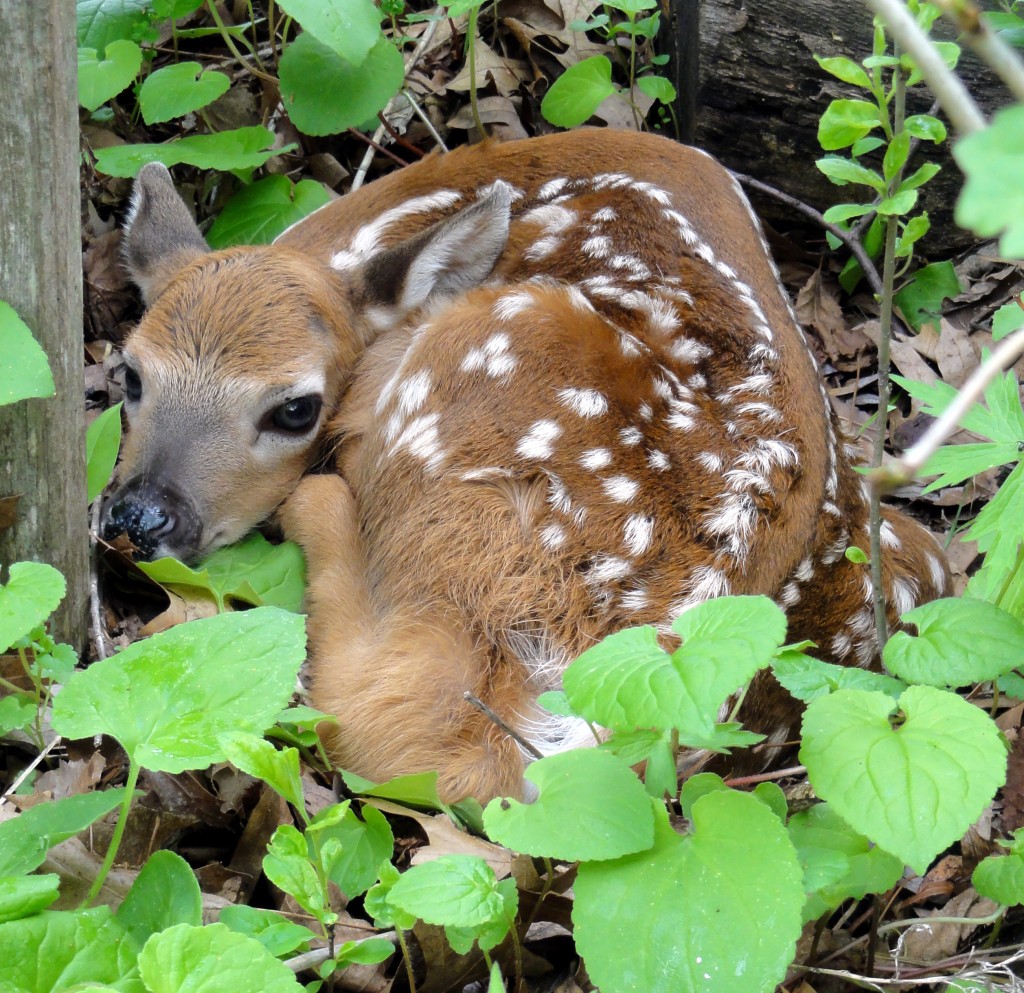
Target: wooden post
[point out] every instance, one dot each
(42, 442)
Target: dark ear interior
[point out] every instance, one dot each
(447, 258)
(160, 236)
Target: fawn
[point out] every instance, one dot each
(566, 395)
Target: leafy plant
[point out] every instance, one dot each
(24, 370)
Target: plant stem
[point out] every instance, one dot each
(982, 40)
(410, 978)
(230, 43)
(115, 840)
(948, 89)
(471, 45)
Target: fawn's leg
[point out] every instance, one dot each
(393, 676)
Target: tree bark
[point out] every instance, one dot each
(759, 95)
(42, 442)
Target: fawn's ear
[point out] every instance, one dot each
(447, 258)
(160, 237)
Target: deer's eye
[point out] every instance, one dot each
(132, 385)
(296, 416)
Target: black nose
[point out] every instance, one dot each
(151, 515)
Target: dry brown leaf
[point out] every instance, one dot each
(72, 778)
(498, 113)
(924, 942)
(188, 605)
(817, 306)
(506, 74)
(956, 354)
(910, 363)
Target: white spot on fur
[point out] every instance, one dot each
(631, 436)
(586, 403)
(645, 412)
(422, 440)
(605, 214)
(413, 393)
(688, 350)
(537, 442)
(790, 595)
(552, 218)
(552, 188)
(552, 536)
(657, 460)
(936, 572)
(706, 583)
(711, 461)
(512, 304)
(637, 533)
(597, 247)
(635, 599)
(558, 495)
(805, 570)
(842, 645)
(904, 595)
(596, 458)
(608, 568)
(621, 489)
(888, 538)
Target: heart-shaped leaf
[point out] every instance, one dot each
(30, 596)
(591, 806)
(914, 789)
(578, 92)
(716, 910)
(459, 890)
(258, 213)
(100, 79)
(24, 371)
(1001, 877)
(179, 89)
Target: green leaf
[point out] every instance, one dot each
(364, 845)
(808, 678)
(657, 88)
(628, 681)
(716, 910)
(842, 171)
(997, 531)
(100, 79)
(915, 229)
(366, 951)
(491, 933)
(920, 176)
(56, 950)
(578, 92)
(864, 145)
(102, 442)
(838, 863)
(168, 698)
(1007, 319)
(591, 806)
(101, 22)
(17, 711)
(165, 893)
(900, 203)
(915, 789)
(288, 867)
(279, 769)
(896, 155)
(992, 200)
(243, 148)
(324, 94)
(773, 798)
(845, 211)
(415, 790)
(844, 69)
(211, 959)
(959, 642)
(349, 28)
(632, 6)
(925, 127)
(251, 570)
(921, 299)
(377, 901)
(846, 121)
(258, 213)
(25, 839)
(272, 930)
(1001, 878)
(22, 896)
(24, 371)
(179, 89)
(459, 890)
(33, 593)
(697, 786)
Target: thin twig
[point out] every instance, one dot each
(95, 598)
(948, 90)
(27, 771)
(422, 115)
(375, 146)
(982, 40)
(494, 718)
(309, 960)
(848, 239)
(767, 777)
(903, 470)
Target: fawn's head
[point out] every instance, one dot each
(244, 354)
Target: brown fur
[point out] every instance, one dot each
(469, 547)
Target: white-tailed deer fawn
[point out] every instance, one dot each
(567, 395)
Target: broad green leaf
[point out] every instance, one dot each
(632, 6)
(915, 229)
(324, 94)
(921, 176)
(377, 902)
(17, 711)
(591, 806)
(366, 951)
(490, 933)
(628, 681)
(846, 211)
(997, 531)
(179, 89)
(900, 203)
(914, 789)
(1001, 877)
(272, 930)
(211, 959)
(716, 910)
(258, 213)
(56, 950)
(773, 798)
(1012, 684)
(288, 867)
(992, 199)
(349, 28)
(32, 593)
(415, 790)
(173, 9)
(838, 862)
(921, 299)
(101, 22)
(251, 570)
(101, 79)
(808, 678)
(24, 371)
(279, 769)
(841, 171)
(896, 155)
(865, 145)
(243, 148)
(168, 698)
(958, 642)
(846, 121)
(847, 71)
(25, 839)
(102, 442)
(578, 92)
(657, 88)
(364, 845)
(925, 127)
(22, 896)
(459, 890)
(697, 786)
(1007, 319)
(164, 893)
